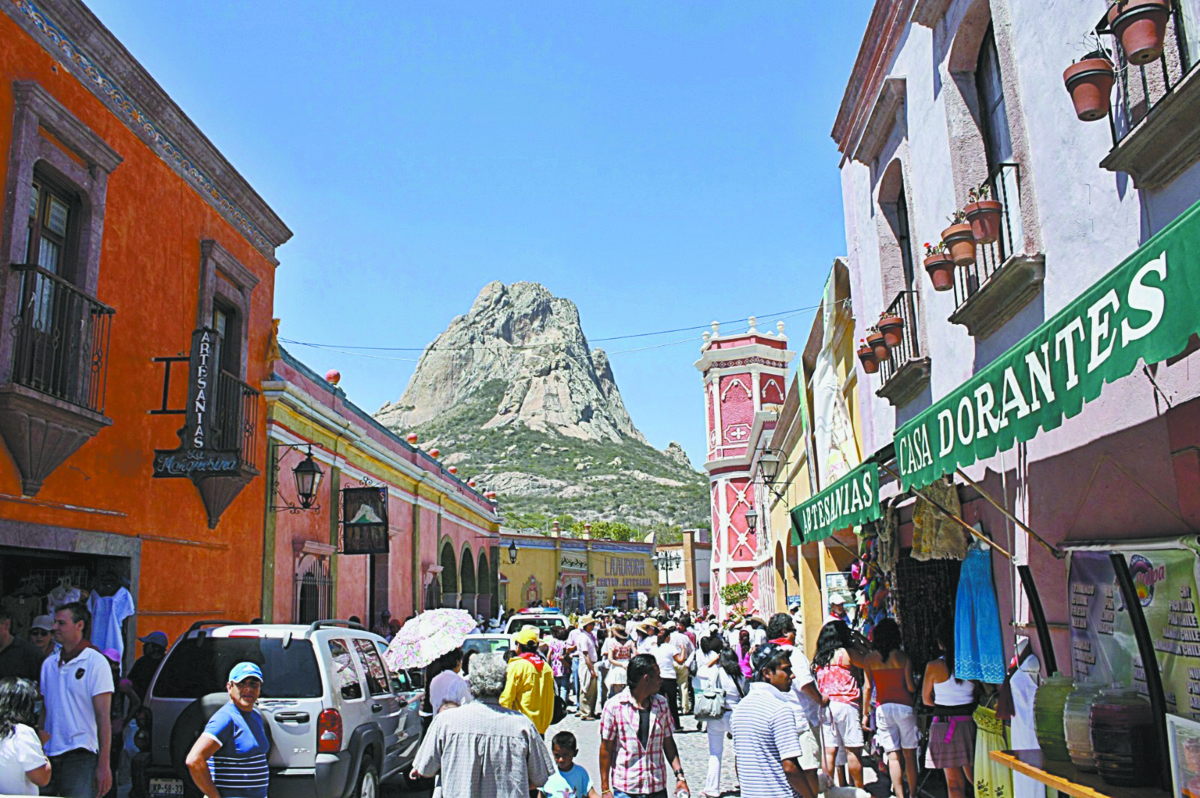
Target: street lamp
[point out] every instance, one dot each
(666, 561)
(751, 520)
(307, 475)
(512, 552)
(768, 465)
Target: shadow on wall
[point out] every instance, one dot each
(920, 403)
(1025, 321)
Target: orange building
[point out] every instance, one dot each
(137, 275)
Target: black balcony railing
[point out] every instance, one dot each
(1005, 181)
(1140, 88)
(237, 417)
(60, 345)
(904, 306)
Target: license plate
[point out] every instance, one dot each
(165, 787)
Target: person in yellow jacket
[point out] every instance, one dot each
(529, 686)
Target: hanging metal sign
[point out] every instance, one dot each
(852, 500)
(364, 521)
(197, 455)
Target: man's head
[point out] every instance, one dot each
(772, 664)
(528, 639)
(385, 616)
(587, 623)
(154, 645)
(488, 672)
(781, 625)
(837, 605)
(41, 633)
(71, 624)
(5, 626)
(244, 685)
(643, 677)
(565, 750)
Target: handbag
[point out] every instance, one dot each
(709, 704)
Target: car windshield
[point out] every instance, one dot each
(200, 665)
(486, 645)
(543, 624)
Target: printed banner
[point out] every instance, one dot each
(852, 500)
(1103, 649)
(1143, 310)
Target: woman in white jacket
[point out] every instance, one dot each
(717, 668)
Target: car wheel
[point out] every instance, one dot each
(368, 782)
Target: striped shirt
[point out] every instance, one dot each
(239, 767)
(764, 734)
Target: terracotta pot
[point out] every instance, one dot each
(866, 356)
(878, 346)
(961, 241)
(941, 271)
(892, 328)
(1141, 25)
(985, 219)
(1090, 83)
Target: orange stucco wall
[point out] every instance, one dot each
(150, 272)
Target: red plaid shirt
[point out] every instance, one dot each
(636, 769)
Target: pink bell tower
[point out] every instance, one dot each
(745, 377)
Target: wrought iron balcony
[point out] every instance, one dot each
(60, 339)
(237, 418)
(906, 371)
(1154, 107)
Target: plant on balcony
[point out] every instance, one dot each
(939, 266)
(984, 214)
(892, 328)
(1090, 82)
(1141, 27)
(959, 239)
(866, 356)
(878, 345)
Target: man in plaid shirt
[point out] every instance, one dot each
(636, 735)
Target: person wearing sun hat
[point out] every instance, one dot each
(154, 648)
(229, 759)
(529, 684)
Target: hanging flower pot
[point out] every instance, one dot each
(866, 356)
(960, 241)
(939, 266)
(892, 328)
(1141, 25)
(1090, 83)
(984, 214)
(878, 345)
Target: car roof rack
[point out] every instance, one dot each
(315, 625)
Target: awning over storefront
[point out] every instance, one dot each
(1146, 309)
(852, 500)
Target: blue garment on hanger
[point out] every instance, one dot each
(978, 644)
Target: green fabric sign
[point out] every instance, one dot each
(1143, 310)
(852, 500)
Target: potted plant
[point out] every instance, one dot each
(878, 345)
(959, 239)
(984, 214)
(1141, 27)
(939, 266)
(866, 356)
(892, 328)
(1090, 81)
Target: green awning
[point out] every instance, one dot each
(1146, 309)
(852, 500)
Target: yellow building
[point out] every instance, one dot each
(817, 440)
(576, 574)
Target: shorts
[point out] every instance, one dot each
(896, 727)
(841, 725)
(810, 747)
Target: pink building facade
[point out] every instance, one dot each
(442, 532)
(745, 377)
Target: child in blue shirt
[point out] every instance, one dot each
(571, 780)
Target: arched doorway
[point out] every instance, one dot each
(466, 580)
(313, 589)
(449, 575)
(781, 587)
(483, 578)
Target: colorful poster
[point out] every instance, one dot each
(1103, 649)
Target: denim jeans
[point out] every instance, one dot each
(73, 774)
(575, 681)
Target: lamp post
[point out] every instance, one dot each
(307, 475)
(665, 561)
(512, 552)
(768, 467)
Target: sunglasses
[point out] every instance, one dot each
(38, 632)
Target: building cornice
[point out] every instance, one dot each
(766, 358)
(886, 115)
(879, 44)
(74, 36)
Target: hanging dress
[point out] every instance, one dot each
(1023, 735)
(978, 646)
(992, 780)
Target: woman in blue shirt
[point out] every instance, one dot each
(229, 759)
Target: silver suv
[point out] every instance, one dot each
(339, 720)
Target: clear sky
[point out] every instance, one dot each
(661, 163)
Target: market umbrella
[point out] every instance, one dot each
(427, 637)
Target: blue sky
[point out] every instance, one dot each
(661, 163)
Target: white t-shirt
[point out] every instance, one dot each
(757, 637)
(449, 686)
(20, 752)
(646, 644)
(68, 689)
(664, 655)
(808, 709)
(107, 614)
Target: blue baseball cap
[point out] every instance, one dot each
(157, 638)
(244, 670)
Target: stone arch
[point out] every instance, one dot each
(466, 571)
(483, 579)
(449, 575)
